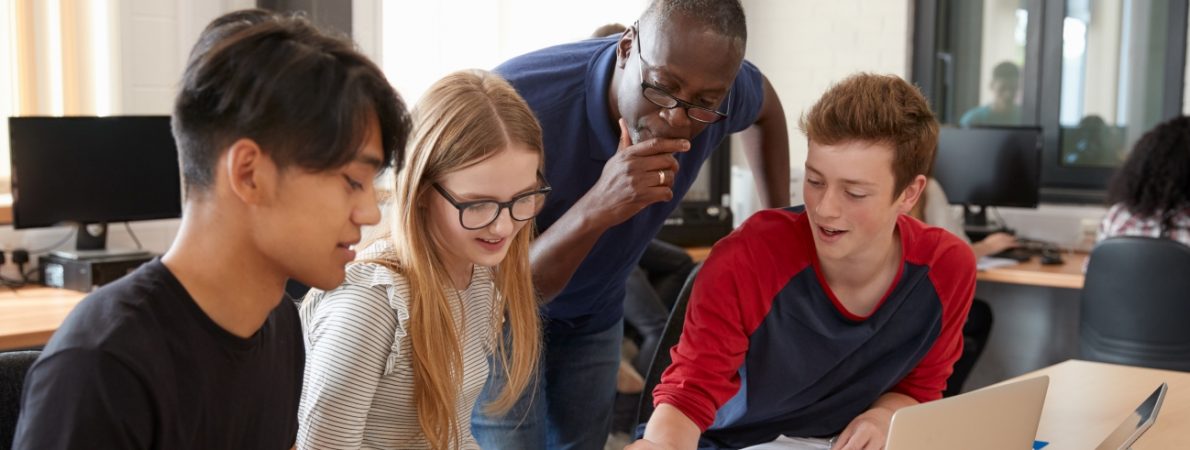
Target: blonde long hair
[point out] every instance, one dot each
(464, 119)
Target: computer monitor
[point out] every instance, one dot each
(89, 171)
(995, 166)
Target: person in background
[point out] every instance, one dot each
(856, 314)
(1093, 143)
(652, 289)
(628, 121)
(1150, 193)
(399, 353)
(935, 210)
(1003, 110)
(280, 130)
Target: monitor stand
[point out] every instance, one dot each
(91, 243)
(975, 223)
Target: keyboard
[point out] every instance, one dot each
(1025, 250)
(1020, 254)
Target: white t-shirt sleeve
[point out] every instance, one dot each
(939, 213)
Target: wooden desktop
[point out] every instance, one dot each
(1087, 400)
(1067, 275)
(30, 315)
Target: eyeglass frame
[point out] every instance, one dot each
(545, 189)
(645, 86)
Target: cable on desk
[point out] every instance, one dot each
(134, 239)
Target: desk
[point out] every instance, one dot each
(1087, 400)
(29, 316)
(1067, 275)
(698, 254)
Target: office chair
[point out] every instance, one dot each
(13, 367)
(1136, 303)
(975, 339)
(669, 338)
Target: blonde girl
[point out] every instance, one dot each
(398, 354)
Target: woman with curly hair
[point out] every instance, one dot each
(1150, 194)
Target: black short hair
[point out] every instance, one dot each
(301, 93)
(1006, 70)
(1154, 181)
(726, 17)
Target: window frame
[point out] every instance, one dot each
(1041, 83)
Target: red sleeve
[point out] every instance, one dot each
(731, 297)
(952, 273)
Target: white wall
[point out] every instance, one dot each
(420, 42)
(803, 46)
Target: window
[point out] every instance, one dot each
(55, 59)
(979, 63)
(1094, 74)
(7, 91)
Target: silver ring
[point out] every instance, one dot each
(661, 175)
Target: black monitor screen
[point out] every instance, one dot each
(93, 169)
(990, 166)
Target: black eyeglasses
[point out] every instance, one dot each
(664, 99)
(481, 213)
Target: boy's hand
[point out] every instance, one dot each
(868, 431)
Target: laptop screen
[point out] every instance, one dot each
(1136, 423)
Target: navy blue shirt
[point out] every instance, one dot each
(567, 88)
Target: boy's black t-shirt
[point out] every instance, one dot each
(137, 365)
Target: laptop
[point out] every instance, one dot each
(994, 418)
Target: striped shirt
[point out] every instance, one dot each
(1120, 222)
(358, 390)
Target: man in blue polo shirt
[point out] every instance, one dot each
(627, 122)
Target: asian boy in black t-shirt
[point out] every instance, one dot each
(280, 130)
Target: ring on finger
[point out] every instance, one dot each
(661, 177)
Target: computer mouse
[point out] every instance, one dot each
(1051, 257)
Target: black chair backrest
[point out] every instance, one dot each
(1136, 303)
(669, 338)
(13, 367)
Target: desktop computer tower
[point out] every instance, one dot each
(87, 274)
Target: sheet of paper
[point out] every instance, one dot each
(988, 262)
(792, 443)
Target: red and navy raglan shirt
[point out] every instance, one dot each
(768, 350)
